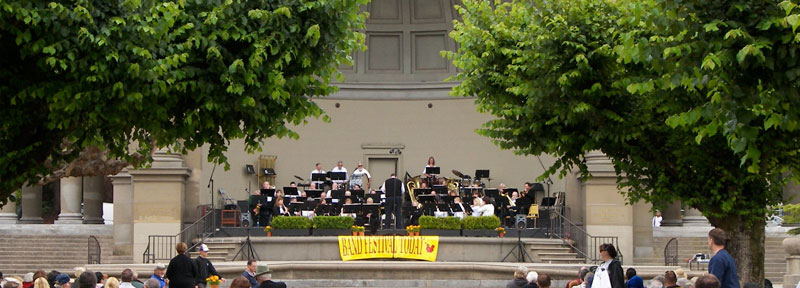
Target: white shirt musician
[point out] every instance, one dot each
(431, 163)
(358, 177)
(340, 168)
(482, 207)
(318, 170)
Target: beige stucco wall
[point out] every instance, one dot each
(445, 131)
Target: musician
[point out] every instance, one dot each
(347, 201)
(358, 177)
(394, 190)
(317, 170)
(483, 207)
(340, 168)
(279, 209)
(266, 185)
(259, 211)
(334, 187)
(374, 220)
(430, 178)
(457, 202)
(293, 184)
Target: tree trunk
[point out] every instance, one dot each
(746, 239)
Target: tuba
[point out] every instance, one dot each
(416, 182)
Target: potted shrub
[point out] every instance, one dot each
(500, 231)
(213, 281)
(357, 230)
(332, 225)
(442, 226)
(483, 226)
(291, 226)
(413, 230)
(268, 229)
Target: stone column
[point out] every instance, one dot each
(31, 205)
(71, 201)
(123, 214)
(8, 213)
(791, 246)
(671, 216)
(158, 194)
(693, 217)
(93, 199)
(607, 213)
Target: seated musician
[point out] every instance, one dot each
(334, 187)
(347, 201)
(488, 207)
(457, 202)
(477, 205)
(279, 209)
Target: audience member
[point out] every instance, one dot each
(519, 278)
(240, 282)
(181, 271)
(39, 274)
(588, 280)
(111, 282)
(532, 278)
(158, 275)
(686, 283)
(671, 280)
(152, 283)
(125, 278)
(634, 281)
(250, 273)
(62, 281)
(264, 277)
(51, 277)
(721, 264)
(12, 284)
(543, 281)
(101, 278)
(87, 280)
(707, 281)
(27, 280)
(657, 282)
(41, 282)
(577, 282)
(204, 267)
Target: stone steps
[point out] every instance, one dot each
(21, 254)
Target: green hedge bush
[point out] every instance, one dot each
(291, 222)
(480, 223)
(791, 213)
(442, 223)
(332, 222)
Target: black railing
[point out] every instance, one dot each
(671, 253)
(579, 241)
(162, 247)
(94, 251)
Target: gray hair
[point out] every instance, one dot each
(265, 276)
(152, 283)
(521, 272)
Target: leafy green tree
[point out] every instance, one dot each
(90, 86)
(691, 100)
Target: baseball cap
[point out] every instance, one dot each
(203, 248)
(161, 266)
(62, 278)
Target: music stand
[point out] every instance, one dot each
(268, 172)
(548, 201)
(295, 207)
(268, 192)
(491, 193)
(313, 193)
(448, 199)
(290, 191)
(432, 170)
(481, 174)
(376, 198)
(428, 202)
(338, 176)
(319, 178)
(440, 189)
(338, 194)
(422, 191)
(359, 194)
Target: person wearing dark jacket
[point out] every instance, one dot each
(181, 271)
(634, 281)
(519, 278)
(610, 266)
(204, 267)
(264, 277)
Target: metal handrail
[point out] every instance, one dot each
(93, 251)
(671, 252)
(583, 243)
(162, 247)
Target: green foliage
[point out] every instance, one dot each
(480, 223)
(291, 222)
(791, 213)
(441, 223)
(132, 76)
(691, 100)
(332, 222)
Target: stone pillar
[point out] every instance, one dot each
(123, 214)
(71, 201)
(31, 205)
(642, 231)
(158, 194)
(791, 246)
(8, 213)
(93, 199)
(693, 217)
(607, 213)
(671, 216)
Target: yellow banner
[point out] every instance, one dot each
(372, 247)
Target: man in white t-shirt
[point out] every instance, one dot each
(657, 219)
(340, 168)
(358, 177)
(317, 170)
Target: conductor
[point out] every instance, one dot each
(394, 190)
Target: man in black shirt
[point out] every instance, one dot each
(394, 189)
(264, 277)
(204, 267)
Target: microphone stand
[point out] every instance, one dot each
(547, 181)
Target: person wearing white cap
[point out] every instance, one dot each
(158, 274)
(204, 267)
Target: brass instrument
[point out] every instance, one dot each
(258, 208)
(416, 182)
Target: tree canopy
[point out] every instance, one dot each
(691, 100)
(119, 79)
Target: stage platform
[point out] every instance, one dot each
(259, 231)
